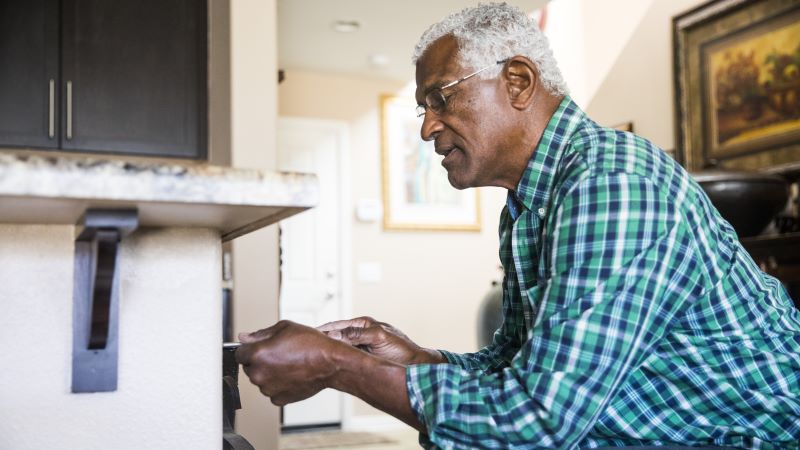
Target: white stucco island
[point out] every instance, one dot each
(168, 384)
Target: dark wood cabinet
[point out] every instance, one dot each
(29, 73)
(128, 76)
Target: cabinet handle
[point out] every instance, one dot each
(51, 116)
(69, 109)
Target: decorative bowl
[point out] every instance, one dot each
(748, 200)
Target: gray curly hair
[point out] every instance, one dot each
(493, 32)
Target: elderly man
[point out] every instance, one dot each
(633, 316)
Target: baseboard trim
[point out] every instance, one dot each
(373, 423)
(290, 429)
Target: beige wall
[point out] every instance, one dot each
(219, 82)
(432, 282)
(253, 109)
(627, 70)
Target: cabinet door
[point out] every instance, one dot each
(134, 77)
(29, 73)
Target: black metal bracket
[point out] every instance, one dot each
(230, 399)
(95, 298)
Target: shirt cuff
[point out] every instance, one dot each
(433, 395)
(452, 358)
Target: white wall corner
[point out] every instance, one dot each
(564, 30)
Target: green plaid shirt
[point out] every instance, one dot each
(633, 316)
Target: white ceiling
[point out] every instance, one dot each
(307, 41)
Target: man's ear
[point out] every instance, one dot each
(521, 79)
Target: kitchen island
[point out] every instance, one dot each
(166, 391)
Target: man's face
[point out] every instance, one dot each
(468, 133)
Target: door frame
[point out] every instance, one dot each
(342, 131)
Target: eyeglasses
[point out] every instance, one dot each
(435, 100)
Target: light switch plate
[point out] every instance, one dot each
(369, 272)
(368, 210)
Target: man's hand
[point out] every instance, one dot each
(380, 339)
(289, 362)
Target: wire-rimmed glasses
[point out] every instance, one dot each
(435, 99)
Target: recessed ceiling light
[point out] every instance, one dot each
(378, 60)
(346, 26)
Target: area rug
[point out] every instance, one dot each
(322, 439)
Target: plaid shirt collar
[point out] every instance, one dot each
(533, 190)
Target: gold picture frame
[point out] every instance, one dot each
(737, 85)
(416, 193)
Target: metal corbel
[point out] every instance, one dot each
(95, 299)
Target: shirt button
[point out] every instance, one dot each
(541, 212)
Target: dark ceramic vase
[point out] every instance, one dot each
(748, 200)
(490, 314)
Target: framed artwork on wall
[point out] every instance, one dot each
(416, 193)
(737, 85)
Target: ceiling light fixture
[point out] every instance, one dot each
(346, 26)
(378, 60)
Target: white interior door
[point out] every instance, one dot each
(311, 247)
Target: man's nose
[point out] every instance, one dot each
(431, 126)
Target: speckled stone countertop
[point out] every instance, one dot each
(57, 190)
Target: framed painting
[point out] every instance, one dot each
(416, 193)
(737, 84)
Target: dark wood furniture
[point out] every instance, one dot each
(778, 255)
(122, 76)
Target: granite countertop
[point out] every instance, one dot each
(58, 189)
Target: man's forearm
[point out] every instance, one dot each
(377, 381)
